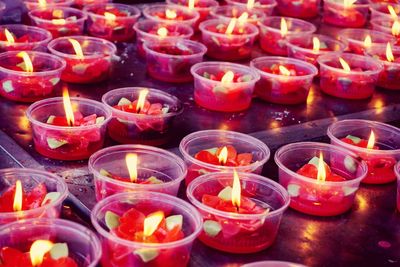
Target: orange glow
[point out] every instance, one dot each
(77, 48)
(236, 190)
(231, 26)
(344, 64)
(109, 16)
(191, 4)
(131, 160)
(321, 176)
(42, 3)
(9, 36)
(367, 41)
(389, 53)
(151, 223)
(162, 32)
(17, 204)
(316, 44)
(141, 100)
(69, 114)
(27, 61)
(170, 14)
(223, 155)
(250, 4)
(284, 27)
(228, 77)
(38, 249)
(392, 12)
(284, 71)
(348, 3)
(58, 13)
(371, 140)
(396, 28)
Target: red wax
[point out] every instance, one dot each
(298, 9)
(29, 41)
(389, 78)
(272, 42)
(30, 200)
(87, 70)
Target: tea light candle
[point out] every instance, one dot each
(22, 38)
(82, 3)
(385, 11)
(172, 14)
(227, 13)
(345, 13)
(204, 7)
(397, 171)
(303, 9)
(37, 4)
(265, 6)
(387, 26)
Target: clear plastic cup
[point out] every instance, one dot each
(229, 12)
(381, 11)
(204, 7)
(215, 95)
(271, 39)
(116, 30)
(118, 251)
(380, 162)
(355, 39)
(169, 67)
(23, 86)
(385, 25)
(265, 6)
(126, 127)
(239, 233)
(82, 3)
(34, 4)
(397, 171)
(83, 245)
(34, 38)
(282, 89)
(30, 180)
(62, 142)
(147, 31)
(302, 48)
(96, 63)
(353, 84)
(70, 22)
(202, 140)
(184, 15)
(273, 264)
(302, 10)
(337, 14)
(231, 47)
(320, 198)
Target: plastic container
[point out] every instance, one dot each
(303, 10)
(337, 14)
(397, 171)
(229, 47)
(179, 14)
(273, 264)
(202, 140)
(163, 62)
(229, 12)
(219, 96)
(83, 245)
(265, 6)
(96, 63)
(127, 127)
(34, 4)
(387, 26)
(118, 29)
(320, 198)
(273, 40)
(82, 3)
(30, 180)
(204, 7)
(25, 38)
(282, 89)
(353, 84)
(77, 142)
(24, 86)
(118, 251)
(380, 162)
(240, 233)
(381, 11)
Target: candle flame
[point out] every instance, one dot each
(42, 3)
(316, 44)
(141, 100)
(58, 21)
(392, 12)
(250, 4)
(9, 36)
(223, 155)
(243, 18)
(131, 160)
(344, 64)
(284, 27)
(170, 14)
(321, 175)
(371, 140)
(38, 249)
(367, 41)
(231, 26)
(191, 4)
(69, 114)
(162, 32)
(151, 223)
(236, 190)
(389, 53)
(17, 205)
(284, 71)
(228, 77)
(58, 13)
(77, 48)
(27, 61)
(348, 3)
(109, 16)
(396, 28)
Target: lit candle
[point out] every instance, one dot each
(348, 13)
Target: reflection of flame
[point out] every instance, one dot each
(38, 249)
(191, 4)
(9, 36)
(228, 77)
(284, 71)
(389, 53)
(348, 3)
(392, 12)
(131, 160)
(223, 155)
(77, 48)
(367, 41)
(250, 4)
(151, 223)
(284, 27)
(316, 44)
(69, 114)
(344, 64)
(321, 176)
(371, 140)
(170, 14)
(141, 100)
(396, 28)
(17, 205)
(109, 16)
(162, 32)
(27, 61)
(236, 190)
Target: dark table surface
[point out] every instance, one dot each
(368, 235)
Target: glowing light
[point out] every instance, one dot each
(250, 4)
(243, 18)
(162, 32)
(344, 64)
(284, 27)
(58, 21)
(223, 155)
(191, 4)
(321, 175)
(42, 3)
(77, 48)
(38, 249)
(231, 26)
(348, 3)
(27, 61)
(367, 41)
(141, 100)
(396, 28)
(109, 16)
(17, 205)
(371, 140)
(69, 114)
(131, 160)
(9, 36)
(58, 13)
(151, 223)
(170, 14)
(228, 77)
(284, 71)
(316, 44)
(392, 12)
(236, 190)
(389, 53)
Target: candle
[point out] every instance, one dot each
(220, 151)
(387, 26)
(113, 22)
(397, 171)
(147, 228)
(68, 130)
(36, 4)
(48, 242)
(171, 14)
(204, 7)
(82, 3)
(89, 59)
(229, 40)
(283, 80)
(376, 143)
(127, 168)
(23, 38)
(321, 179)
(265, 6)
(228, 13)
(385, 11)
(275, 30)
(346, 13)
(29, 193)
(59, 21)
(150, 125)
(348, 76)
(309, 49)
(241, 215)
(303, 9)
(29, 76)
(223, 86)
(170, 61)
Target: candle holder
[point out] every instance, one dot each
(380, 162)
(84, 247)
(177, 14)
(204, 7)
(303, 48)
(170, 61)
(149, 31)
(314, 197)
(196, 142)
(236, 232)
(112, 22)
(95, 65)
(59, 21)
(229, 12)
(25, 38)
(265, 6)
(381, 11)
(273, 264)
(337, 14)
(356, 39)
(273, 41)
(20, 85)
(80, 4)
(283, 89)
(38, 187)
(133, 253)
(386, 26)
(231, 47)
(67, 142)
(397, 171)
(302, 10)
(358, 83)
(34, 4)
(132, 127)
(222, 96)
